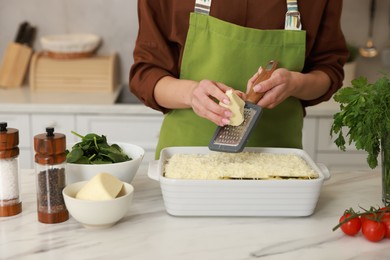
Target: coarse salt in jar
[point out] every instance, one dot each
(50, 160)
(10, 202)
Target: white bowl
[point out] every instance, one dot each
(125, 171)
(97, 214)
(70, 43)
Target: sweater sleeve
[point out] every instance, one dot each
(154, 55)
(329, 51)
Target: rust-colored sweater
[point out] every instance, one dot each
(163, 26)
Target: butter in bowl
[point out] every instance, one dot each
(100, 202)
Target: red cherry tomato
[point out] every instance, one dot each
(385, 219)
(373, 231)
(386, 223)
(369, 216)
(351, 227)
(384, 213)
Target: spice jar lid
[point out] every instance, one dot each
(9, 141)
(50, 147)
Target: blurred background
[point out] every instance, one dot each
(116, 22)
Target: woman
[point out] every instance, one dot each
(185, 60)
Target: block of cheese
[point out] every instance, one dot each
(236, 106)
(102, 186)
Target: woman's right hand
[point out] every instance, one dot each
(205, 98)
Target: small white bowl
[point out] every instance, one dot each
(124, 171)
(97, 214)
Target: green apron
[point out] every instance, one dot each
(231, 54)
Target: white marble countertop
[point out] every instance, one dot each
(148, 232)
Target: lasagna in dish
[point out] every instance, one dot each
(245, 165)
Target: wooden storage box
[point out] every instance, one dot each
(14, 65)
(93, 74)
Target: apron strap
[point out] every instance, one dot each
(293, 17)
(203, 6)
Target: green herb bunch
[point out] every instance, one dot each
(94, 149)
(365, 112)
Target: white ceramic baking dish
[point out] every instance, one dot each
(238, 197)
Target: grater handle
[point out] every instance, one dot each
(265, 74)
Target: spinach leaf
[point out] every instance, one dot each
(94, 149)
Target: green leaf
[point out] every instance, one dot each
(74, 155)
(94, 149)
(365, 112)
(83, 160)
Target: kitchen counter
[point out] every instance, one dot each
(118, 102)
(121, 101)
(23, 95)
(148, 232)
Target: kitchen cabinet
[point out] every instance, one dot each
(143, 130)
(62, 124)
(331, 155)
(139, 130)
(319, 144)
(135, 123)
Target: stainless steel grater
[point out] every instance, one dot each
(232, 139)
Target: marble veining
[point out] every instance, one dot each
(148, 232)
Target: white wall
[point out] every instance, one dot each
(354, 23)
(116, 22)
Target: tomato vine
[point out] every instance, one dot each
(374, 223)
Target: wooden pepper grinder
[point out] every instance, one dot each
(50, 160)
(10, 202)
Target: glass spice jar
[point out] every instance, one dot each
(10, 202)
(50, 160)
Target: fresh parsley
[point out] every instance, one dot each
(364, 116)
(94, 149)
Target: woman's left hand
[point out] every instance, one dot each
(276, 89)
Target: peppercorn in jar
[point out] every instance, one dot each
(50, 160)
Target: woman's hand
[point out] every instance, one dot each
(205, 98)
(280, 86)
(284, 83)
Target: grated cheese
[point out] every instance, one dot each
(243, 165)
